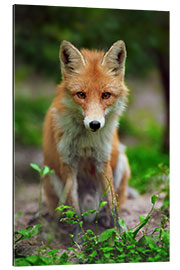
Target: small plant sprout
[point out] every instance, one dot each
(42, 172)
(22, 234)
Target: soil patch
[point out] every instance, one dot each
(56, 235)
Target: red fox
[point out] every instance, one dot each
(80, 138)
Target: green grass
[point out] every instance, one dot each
(29, 117)
(146, 157)
(144, 163)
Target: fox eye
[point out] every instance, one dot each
(81, 95)
(106, 95)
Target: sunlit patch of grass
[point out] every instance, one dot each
(144, 161)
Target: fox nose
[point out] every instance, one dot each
(94, 125)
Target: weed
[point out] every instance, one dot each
(42, 172)
(111, 246)
(51, 258)
(114, 247)
(22, 234)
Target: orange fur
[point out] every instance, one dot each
(90, 73)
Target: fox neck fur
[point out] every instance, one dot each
(78, 143)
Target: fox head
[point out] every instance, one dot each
(93, 81)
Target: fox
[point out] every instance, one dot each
(80, 132)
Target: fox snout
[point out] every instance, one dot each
(94, 124)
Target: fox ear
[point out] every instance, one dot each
(114, 58)
(72, 61)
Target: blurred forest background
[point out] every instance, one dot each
(144, 127)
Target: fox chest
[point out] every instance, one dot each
(82, 148)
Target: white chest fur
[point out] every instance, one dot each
(79, 143)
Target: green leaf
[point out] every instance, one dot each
(142, 218)
(156, 230)
(36, 229)
(107, 255)
(107, 249)
(141, 226)
(103, 203)
(165, 237)
(71, 235)
(67, 220)
(18, 214)
(122, 223)
(81, 223)
(69, 214)
(25, 233)
(93, 254)
(151, 242)
(46, 260)
(106, 235)
(32, 259)
(63, 207)
(35, 167)
(89, 233)
(88, 212)
(21, 262)
(52, 252)
(81, 256)
(46, 170)
(92, 211)
(71, 248)
(29, 231)
(63, 259)
(154, 198)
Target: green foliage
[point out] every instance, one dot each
(42, 171)
(19, 213)
(36, 167)
(108, 247)
(50, 259)
(114, 247)
(144, 162)
(150, 134)
(154, 199)
(27, 233)
(149, 164)
(40, 29)
(29, 116)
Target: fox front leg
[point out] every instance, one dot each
(70, 197)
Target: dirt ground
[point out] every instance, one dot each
(56, 235)
(53, 234)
